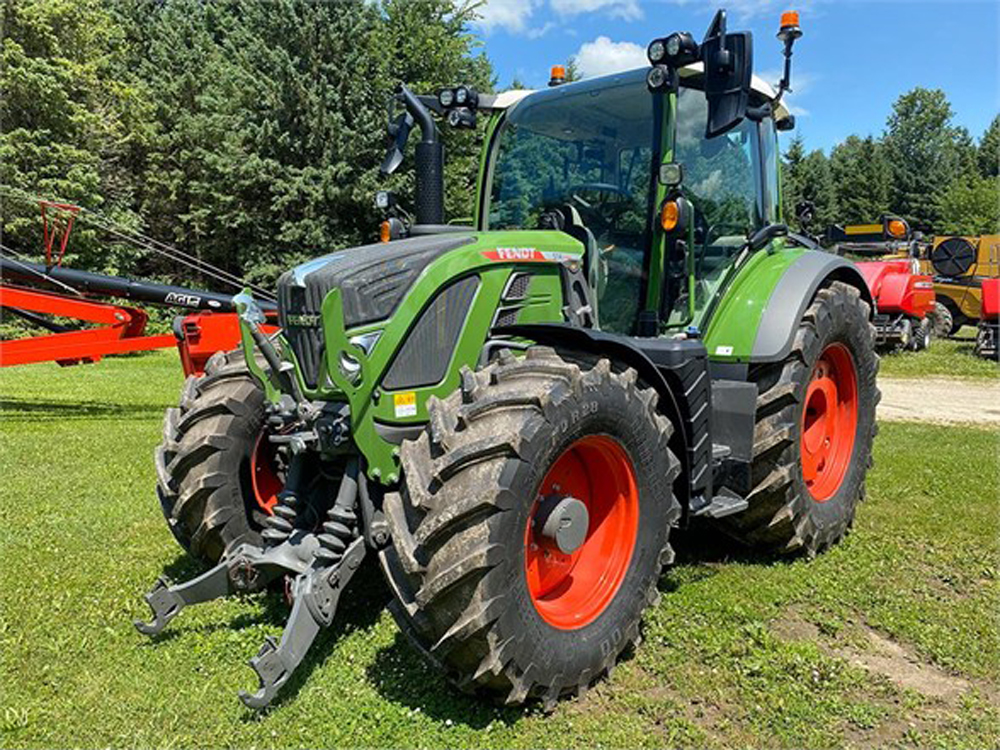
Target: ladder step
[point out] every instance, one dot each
(724, 504)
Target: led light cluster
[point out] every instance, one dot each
(666, 55)
(460, 105)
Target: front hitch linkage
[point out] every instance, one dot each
(322, 566)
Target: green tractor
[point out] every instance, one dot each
(513, 416)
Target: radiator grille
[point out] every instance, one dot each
(425, 355)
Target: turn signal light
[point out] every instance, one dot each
(897, 228)
(384, 231)
(669, 216)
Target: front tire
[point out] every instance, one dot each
(815, 426)
(217, 477)
(480, 593)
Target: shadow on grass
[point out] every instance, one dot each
(701, 550)
(401, 675)
(40, 411)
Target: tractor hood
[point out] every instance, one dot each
(372, 280)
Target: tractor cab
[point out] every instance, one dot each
(586, 158)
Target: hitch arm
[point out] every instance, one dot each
(316, 595)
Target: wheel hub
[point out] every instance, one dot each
(581, 532)
(829, 422)
(563, 522)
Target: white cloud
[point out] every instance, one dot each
(540, 31)
(628, 10)
(510, 15)
(602, 56)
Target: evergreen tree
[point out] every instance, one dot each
(989, 150)
(971, 205)
(807, 178)
(862, 180)
(925, 152)
(72, 127)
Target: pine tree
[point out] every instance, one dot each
(989, 150)
(862, 180)
(925, 152)
(807, 178)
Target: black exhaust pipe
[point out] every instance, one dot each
(429, 199)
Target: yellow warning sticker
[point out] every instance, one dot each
(405, 404)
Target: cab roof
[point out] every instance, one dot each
(507, 99)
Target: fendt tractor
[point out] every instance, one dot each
(513, 416)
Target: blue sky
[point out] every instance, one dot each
(852, 63)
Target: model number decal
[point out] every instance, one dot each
(527, 255)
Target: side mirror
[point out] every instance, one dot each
(398, 132)
(728, 60)
(805, 212)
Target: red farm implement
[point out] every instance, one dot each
(904, 298)
(81, 325)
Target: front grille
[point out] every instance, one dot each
(295, 305)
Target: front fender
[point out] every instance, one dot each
(757, 318)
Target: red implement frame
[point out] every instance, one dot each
(119, 330)
(49, 231)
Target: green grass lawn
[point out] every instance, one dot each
(890, 638)
(952, 358)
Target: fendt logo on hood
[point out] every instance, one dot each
(303, 320)
(527, 254)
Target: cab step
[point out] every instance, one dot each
(726, 503)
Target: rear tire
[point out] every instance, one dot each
(463, 532)
(941, 321)
(204, 480)
(786, 512)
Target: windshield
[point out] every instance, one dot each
(586, 151)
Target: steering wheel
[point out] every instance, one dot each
(603, 216)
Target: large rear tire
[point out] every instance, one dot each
(478, 588)
(216, 476)
(814, 431)
(941, 320)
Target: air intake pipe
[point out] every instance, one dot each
(429, 199)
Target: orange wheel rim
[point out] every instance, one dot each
(570, 591)
(263, 474)
(829, 422)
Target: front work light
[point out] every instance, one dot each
(677, 50)
(446, 97)
(661, 77)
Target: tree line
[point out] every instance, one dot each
(249, 132)
(245, 132)
(922, 168)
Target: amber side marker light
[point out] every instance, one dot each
(897, 228)
(384, 231)
(669, 215)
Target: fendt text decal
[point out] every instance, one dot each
(528, 255)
